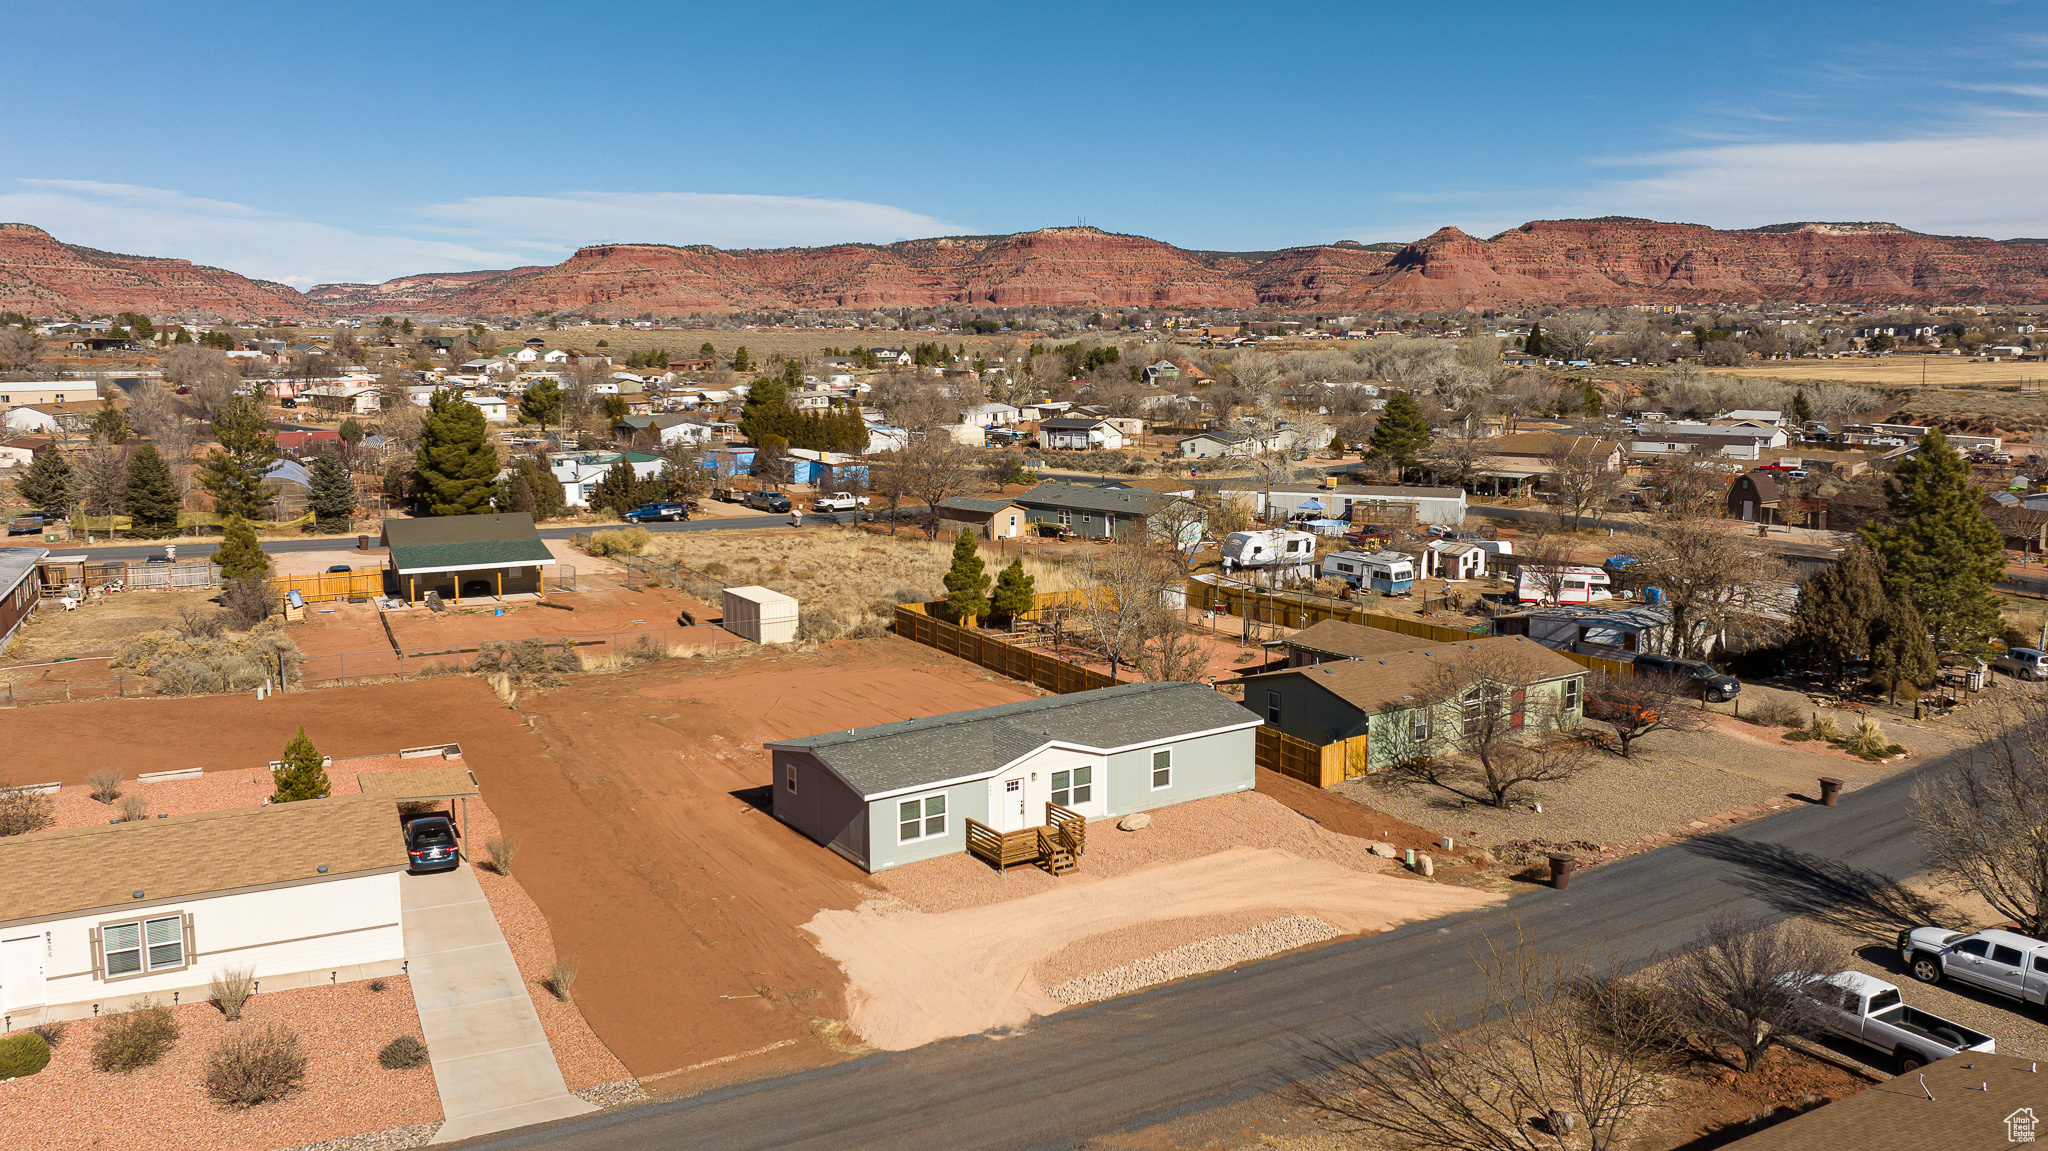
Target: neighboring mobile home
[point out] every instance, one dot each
(94, 918)
(895, 793)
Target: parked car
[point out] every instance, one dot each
(2023, 662)
(339, 569)
(1873, 1013)
(288, 402)
(768, 501)
(662, 511)
(841, 502)
(430, 845)
(2003, 962)
(26, 525)
(1700, 677)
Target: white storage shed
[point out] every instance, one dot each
(759, 614)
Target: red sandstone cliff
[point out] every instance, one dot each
(40, 276)
(1554, 262)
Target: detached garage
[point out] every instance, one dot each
(474, 557)
(94, 918)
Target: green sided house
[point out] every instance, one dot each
(465, 557)
(1015, 783)
(1422, 700)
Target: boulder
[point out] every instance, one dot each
(1136, 821)
(1383, 850)
(1425, 866)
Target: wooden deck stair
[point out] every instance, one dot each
(1056, 846)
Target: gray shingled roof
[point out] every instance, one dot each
(970, 504)
(915, 753)
(1079, 497)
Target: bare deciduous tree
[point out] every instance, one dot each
(1487, 734)
(209, 375)
(20, 350)
(1712, 578)
(1128, 578)
(1583, 477)
(1552, 1054)
(1740, 986)
(935, 467)
(1984, 821)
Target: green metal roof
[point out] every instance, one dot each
(451, 543)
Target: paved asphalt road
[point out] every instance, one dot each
(274, 547)
(1215, 1040)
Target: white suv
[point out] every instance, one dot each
(2003, 962)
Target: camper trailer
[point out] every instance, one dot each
(1562, 584)
(1282, 553)
(1389, 573)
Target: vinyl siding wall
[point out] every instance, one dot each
(337, 930)
(1307, 711)
(1204, 766)
(964, 801)
(822, 806)
(1393, 730)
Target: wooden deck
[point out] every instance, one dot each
(1056, 845)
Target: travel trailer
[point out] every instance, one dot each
(1389, 573)
(1561, 584)
(1274, 552)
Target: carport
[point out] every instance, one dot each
(487, 556)
(421, 786)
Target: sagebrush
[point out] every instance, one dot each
(134, 1038)
(231, 990)
(229, 661)
(402, 1053)
(255, 1065)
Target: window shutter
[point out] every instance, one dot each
(99, 970)
(1521, 696)
(189, 951)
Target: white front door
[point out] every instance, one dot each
(21, 972)
(1008, 805)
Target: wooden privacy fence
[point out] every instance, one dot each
(1299, 610)
(328, 586)
(1614, 667)
(1054, 675)
(1316, 765)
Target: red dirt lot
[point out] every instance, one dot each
(603, 610)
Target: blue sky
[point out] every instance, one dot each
(371, 140)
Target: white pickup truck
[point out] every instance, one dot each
(1870, 1011)
(840, 502)
(2003, 962)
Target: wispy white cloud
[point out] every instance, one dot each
(159, 222)
(480, 232)
(571, 219)
(1984, 183)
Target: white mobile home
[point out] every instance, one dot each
(94, 918)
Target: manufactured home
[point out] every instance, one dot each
(981, 780)
(1562, 584)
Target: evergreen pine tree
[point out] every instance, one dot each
(456, 465)
(46, 482)
(542, 404)
(1014, 594)
(520, 495)
(1941, 552)
(1900, 652)
(302, 774)
(1402, 433)
(967, 580)
(151, 496)
(741, 361)
(549, 498)
(767, 411)
(1837, 608)
(1802, 408)
(233, 472)
(333, 496)
(614, 492)
(239, 555)
(1593, 403)
(1534, 344)
(109, 424)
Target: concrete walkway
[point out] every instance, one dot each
(491, 1060)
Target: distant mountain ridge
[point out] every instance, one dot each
(1606, 261)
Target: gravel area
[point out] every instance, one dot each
(1214, 954)
(618, 1093)
(1098, 953)
(69, 1106)
(1180, 832)
(396, 1139)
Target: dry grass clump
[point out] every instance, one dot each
(525, 662)
(619, 541)
(133, 808)
(23, 810)
(1776, 712)
(254, 1065)
(560, 978)
(232, 989)
(229, 661)
(105, 784)
(498, 851)
(134, 1038)
(846, 580)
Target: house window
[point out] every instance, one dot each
(789, 778)
(1420, 720)
(1087, 517)
(1273, 706)
(1162, 769)
(142, 945)
(1571, 694)
(1073, 788)
(923, 818)
(1066, 517)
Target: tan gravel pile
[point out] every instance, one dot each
(69, 1106)
(1203, 955)
(1099, 953)
(1181, 832)
(396, 1139)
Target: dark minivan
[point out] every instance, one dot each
(1702, 678)
(430, 845)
